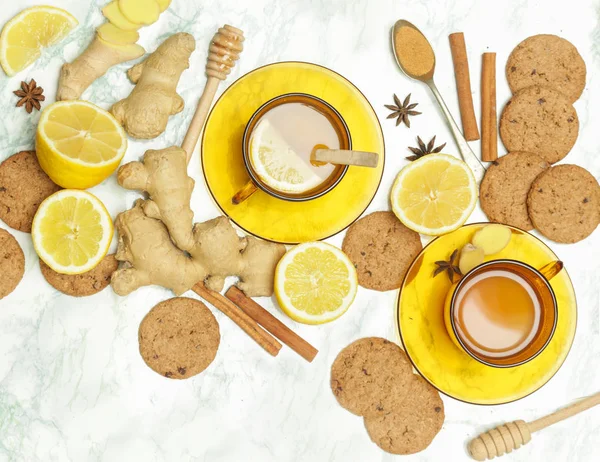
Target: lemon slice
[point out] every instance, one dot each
(78, 144)
(278, 164)
(72, 231)
(25, 35)
(315, 283)
(434, 194)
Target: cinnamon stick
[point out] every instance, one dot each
(489, 118)
(463, 86)
(272, 324)
(248, 325)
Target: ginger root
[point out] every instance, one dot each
(163, 175)
(492, 239)
(112, 34)
(470, 257)
(140, 11)
(159, 245)
(93, 63)
(150, 257)
(145, 112)
(114, 15)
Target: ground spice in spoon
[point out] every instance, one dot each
(413, 51)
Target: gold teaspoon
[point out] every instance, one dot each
(415, 71)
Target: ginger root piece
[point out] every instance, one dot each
(140, 11)
(112, 34)
(492, 238)
(470, 257)
(251, 259)
(259, 264)
(160, 246)
(113, 14)
(163, 175)
(93, 63)
(149, 256)
(145, 112)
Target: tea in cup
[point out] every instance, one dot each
(277, 146)
(503, 313)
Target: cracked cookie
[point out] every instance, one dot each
(82, 285)
(371, 376)
(504, 188)
(23, 187)
(539, 120)
(381, 248)
(179, 338)
(564, 203)
(12, 263)
(411, 427)
(548, 61)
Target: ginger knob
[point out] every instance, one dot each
(224, 51)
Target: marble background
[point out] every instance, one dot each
(73, 386)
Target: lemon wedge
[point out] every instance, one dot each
(78, 144)
(315, 283)
(434, 194)
(72, 231)
(24, 36)
(278, 164)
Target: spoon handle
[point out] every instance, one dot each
(465, 150)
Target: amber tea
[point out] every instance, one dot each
(503, 312)
(280, 139)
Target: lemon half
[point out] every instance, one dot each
(434, 195)
(78, 144)
(315, 283)
(72, 231)
(24, 36)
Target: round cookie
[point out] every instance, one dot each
(82, 285)
(12, 263)
(504, 188)
(564, 203)
(23, 187)
(382, 249)
(539, 120)
(179, 338)
(547, 61)
(412, 426)
(371, 376)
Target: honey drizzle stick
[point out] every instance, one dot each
(224, 51)
(510, 436)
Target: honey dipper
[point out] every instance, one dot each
(504, 438)
(224, 51)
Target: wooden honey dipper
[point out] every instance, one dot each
(224, 51)
(507, 437)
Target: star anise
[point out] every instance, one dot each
(450, 266)
(31, 95)
(423, 149)
(402, 110)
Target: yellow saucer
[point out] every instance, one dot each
(266, 216)
(440, 361)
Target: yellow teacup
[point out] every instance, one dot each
(503, 313)
(292, 136)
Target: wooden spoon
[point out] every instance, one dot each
(321, 155)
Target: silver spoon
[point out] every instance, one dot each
(465, 151)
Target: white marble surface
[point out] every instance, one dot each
(73, 386)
